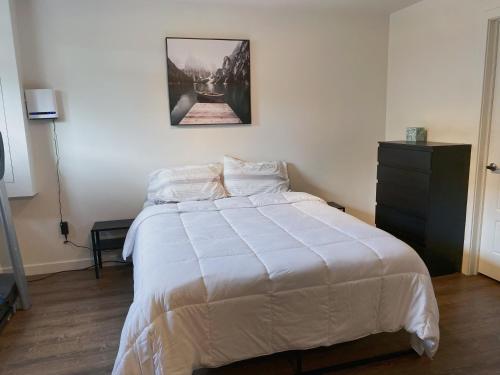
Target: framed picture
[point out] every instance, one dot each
(208, 81)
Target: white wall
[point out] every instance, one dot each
(318, 99)
(435, 75)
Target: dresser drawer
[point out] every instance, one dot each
(408, 228)
(405, 158)
(406, 200)
(403, 177)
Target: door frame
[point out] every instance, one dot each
(491, 25)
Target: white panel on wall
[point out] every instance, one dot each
(9, 173)
(13, 123)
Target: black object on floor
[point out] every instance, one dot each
(8, 295)
(99, 244)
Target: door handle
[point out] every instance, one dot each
(493, 167)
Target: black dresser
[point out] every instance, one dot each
(422, 199)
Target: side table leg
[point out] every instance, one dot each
(96, 260)
(298, 357)
(99, 252)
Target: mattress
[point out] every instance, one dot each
(221, 281)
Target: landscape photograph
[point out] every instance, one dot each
(208, 81)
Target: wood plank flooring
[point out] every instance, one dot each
(73, 327)
(76, 320)
(210, 113)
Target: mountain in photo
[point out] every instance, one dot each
(175, 75)
(196, 69)
(236, 67)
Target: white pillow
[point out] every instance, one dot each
(242, 178)
(189, 183)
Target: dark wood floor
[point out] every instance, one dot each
(75, 322)
(73, 327)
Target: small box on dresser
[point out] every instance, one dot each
(422, 199)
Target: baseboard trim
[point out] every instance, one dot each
(65, 265)
(51, 267)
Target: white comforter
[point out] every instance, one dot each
(217, 282)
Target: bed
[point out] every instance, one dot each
(221, 281)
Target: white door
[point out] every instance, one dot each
(489, 260)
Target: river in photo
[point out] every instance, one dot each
(183, 96)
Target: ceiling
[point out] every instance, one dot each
(381, 6)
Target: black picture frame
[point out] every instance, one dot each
(227, 85)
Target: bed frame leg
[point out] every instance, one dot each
(298, 363)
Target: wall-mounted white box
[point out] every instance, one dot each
(41, 104)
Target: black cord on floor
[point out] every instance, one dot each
(68, 242)
(77, 270)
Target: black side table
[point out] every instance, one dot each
(99, 245)
(337, 206)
